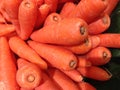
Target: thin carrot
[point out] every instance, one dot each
(19, 47)
(74, 75)
(57, 57)
(67, 9)
(48, 83)
(27, 17)
(95, 73)
(99, 56)
(86, 86)
(62, 80)
(6, 29)
(100, 25)
(7, 67)
(111, 6)
(28, 75)
(70, 31)
(52, 18)
(110, 40)
(89, 9)
(82, 48)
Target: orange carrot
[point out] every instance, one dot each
(57, 57)
(62, 80)
(95, 73)
(48, 83)
(43, 12)
(86, 86)
(111, 6)
(109, 40)
(92, 11)
(7, 67)
(74, 75)
(6, 29)
(28, 74)
(52, 18)
(27, 18)
(70, 31)
(100, 25)
(52, 4)
(19, 47)
(67, 9)
(99, 56)
(83, 62)
(80, 48)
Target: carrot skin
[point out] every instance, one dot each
(8, 67)
(19, 47)
(28, 75)
(57, 57)
(74, 33)
(27, 17)
(95, 73)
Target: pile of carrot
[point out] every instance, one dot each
(54, 44)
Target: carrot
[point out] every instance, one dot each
(52, 4)
(74, 75)
(95, 73)
(111, 6)
(2, 19)
(48, 83)
(99, 56)
(28, 75)
(52, 18)
(110, 40)
(25, 89)
(56, 56)
(27, 18)
(86, 86)
(7, 67)
(91, 12)
(95, 40)
(70, 31)
(83, 62)
(100, 25)
(12, 9)
(80, 48)
(19, 47)
(6, 29)
(62, 80)
(67, 9)
(43, 12)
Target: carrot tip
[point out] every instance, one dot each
(31, 78)
(82, 30)
(73, 64)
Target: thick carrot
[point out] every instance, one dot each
(95, 73)
(48, 83)
(43, 12)
(12, 9)
(74, 75)
(28, 75)
(99, 56)
(89, 9)
(19, 47)
(70, 31)
(7, 67)
(52, 4)
(57, 57)
(100, 25)
(109, 40)
(27, 17)
(83, 62)
(62, 80)
(52, 18)
(67, 9)
(82, 48)
(86, 86)
(111, 6)
(6, 29)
